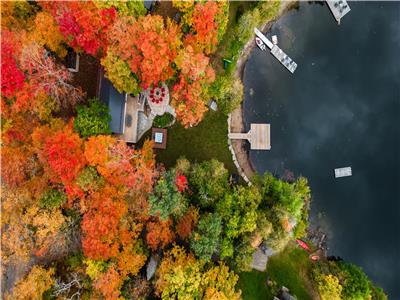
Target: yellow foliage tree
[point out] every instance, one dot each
(34, 285)
(46, 33)
(329, 287)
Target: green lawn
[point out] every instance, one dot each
(206, 141)
(253, 286)
(290, 268)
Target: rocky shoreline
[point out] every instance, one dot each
(239, 148)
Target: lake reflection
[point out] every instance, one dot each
(340, 108)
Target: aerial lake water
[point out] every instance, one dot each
(340, 108)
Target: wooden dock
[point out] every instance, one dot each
(343, 172)
(283, 58)
(277, 52)
(259, 136)
(338, 8)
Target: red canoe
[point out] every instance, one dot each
(303, 245)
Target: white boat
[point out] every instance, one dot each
(260, 44)
(343, 172)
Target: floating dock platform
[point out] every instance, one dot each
(259, 136)
(338, 8)
(277, 52)
(343, 172)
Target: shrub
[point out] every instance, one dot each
(89, 179)
(92, 119)
(163, 121)
(52, 199)
(228, 92)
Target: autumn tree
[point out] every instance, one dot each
(206, 238)
(17, 15)
(101, 223)
(180, 276)
(147, 45)
(209, 180)
(121, 165)
(166, 200)
(109, 284)
(46, 33)
(120, 74)
(64, 154)
(45, 74)
(83, 24)
(92, 119)
(34, 284)
(14, 165)
(124, 8)
(187, 223)
(159, 234)
(208, 21)
(190, 93)
(12, 76)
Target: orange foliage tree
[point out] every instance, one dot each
(205, 27)
(109, 284)
(159, 234)
(190, 94)
(101, 223)
(187, 223)
(147, 45)
(121, 165)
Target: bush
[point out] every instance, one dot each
(205, 240)
(228, 92)
(89, 179)
(92, 119)
(52, 199)
(163, 121)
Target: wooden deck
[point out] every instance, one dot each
(338, 8)
(259, 136)
(131, 119)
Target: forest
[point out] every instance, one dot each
(84, 214)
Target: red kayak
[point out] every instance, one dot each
(303, 245)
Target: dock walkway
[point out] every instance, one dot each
(259, 136)
(338, 8)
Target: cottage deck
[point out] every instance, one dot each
(131, 119)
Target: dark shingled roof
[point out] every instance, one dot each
(115, 102)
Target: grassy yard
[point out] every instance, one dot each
(290, 268)
(206, 141)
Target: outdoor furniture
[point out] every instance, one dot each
(159, 137)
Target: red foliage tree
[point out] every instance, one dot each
(64, 154)
(12, 78)
(147, 45)
(181, 182)
(83, 24)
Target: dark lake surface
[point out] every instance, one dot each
(341, 108)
